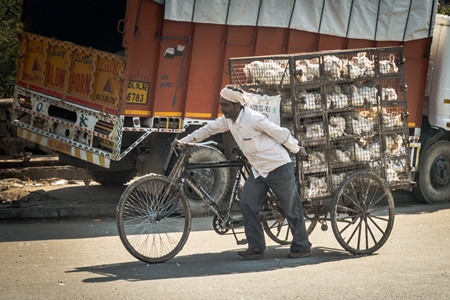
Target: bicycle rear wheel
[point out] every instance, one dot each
(153, 219)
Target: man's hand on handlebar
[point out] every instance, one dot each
(176, 143)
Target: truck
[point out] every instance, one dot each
(109, 85)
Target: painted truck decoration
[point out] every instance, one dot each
(112, 100)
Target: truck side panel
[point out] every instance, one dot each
(239, 42)
(270, 40)
(142, 51)
(205, 72)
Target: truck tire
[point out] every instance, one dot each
(111, 178)
(215, 180)
(433, 180)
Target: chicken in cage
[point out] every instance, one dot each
(316, 187)
(336, 126)
(308, 100)
(336, 179)
(391, 174)
(363, 95)
(307, 70)
(394, 144)
(312, 130)
(362, 124)
(267, 72)
(316, 162)
(392, 89)
(388, 65)
(372, 144)
(347, 108)
(393, 117)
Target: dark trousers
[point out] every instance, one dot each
(282, 182)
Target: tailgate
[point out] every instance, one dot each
(70, 72)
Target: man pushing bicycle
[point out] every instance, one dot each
(264, 143)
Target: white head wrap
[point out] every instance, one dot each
(236, 97)
(233, 96)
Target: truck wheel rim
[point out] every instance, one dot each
(440, 173)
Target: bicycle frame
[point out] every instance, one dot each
(181, 173)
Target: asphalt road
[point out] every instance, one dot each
(84, 259)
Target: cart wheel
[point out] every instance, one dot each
(362, 213)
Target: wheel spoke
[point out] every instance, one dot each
(376, 225)
(352, 200)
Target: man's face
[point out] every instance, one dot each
(229, 109)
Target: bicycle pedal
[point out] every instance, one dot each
(242, 242)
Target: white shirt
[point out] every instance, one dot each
(261, 140)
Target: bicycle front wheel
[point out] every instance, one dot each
(153, 219)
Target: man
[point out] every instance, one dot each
(264, 144)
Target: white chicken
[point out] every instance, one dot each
(391, 174)
(362, 125)
(332, 66)
(310, 101)
(362, 61)
(336, 179)
(375, 149)
(388, 66)
(273, 73)
(388, 120)
(389, 141)
(357, 99)
(316, 161)
(308, 68)
(267, 72)
(336, 101)
(316, 187)
(338, 123)
(369, 94)
(355, 71)
(362, 154)
(314, 130)
(388, 94)
(342, 156)
(398, 145)
(333, 132)
(252, 69)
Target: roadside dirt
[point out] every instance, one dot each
(15, 190)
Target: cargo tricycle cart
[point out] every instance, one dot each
(348, 109)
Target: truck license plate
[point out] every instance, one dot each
(59, 146)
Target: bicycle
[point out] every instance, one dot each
(154, 218)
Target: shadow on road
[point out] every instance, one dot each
(209, 264)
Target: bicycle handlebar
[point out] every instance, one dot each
(200, 144)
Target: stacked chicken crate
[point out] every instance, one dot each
(347, 108)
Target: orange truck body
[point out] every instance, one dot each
(82, 101)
